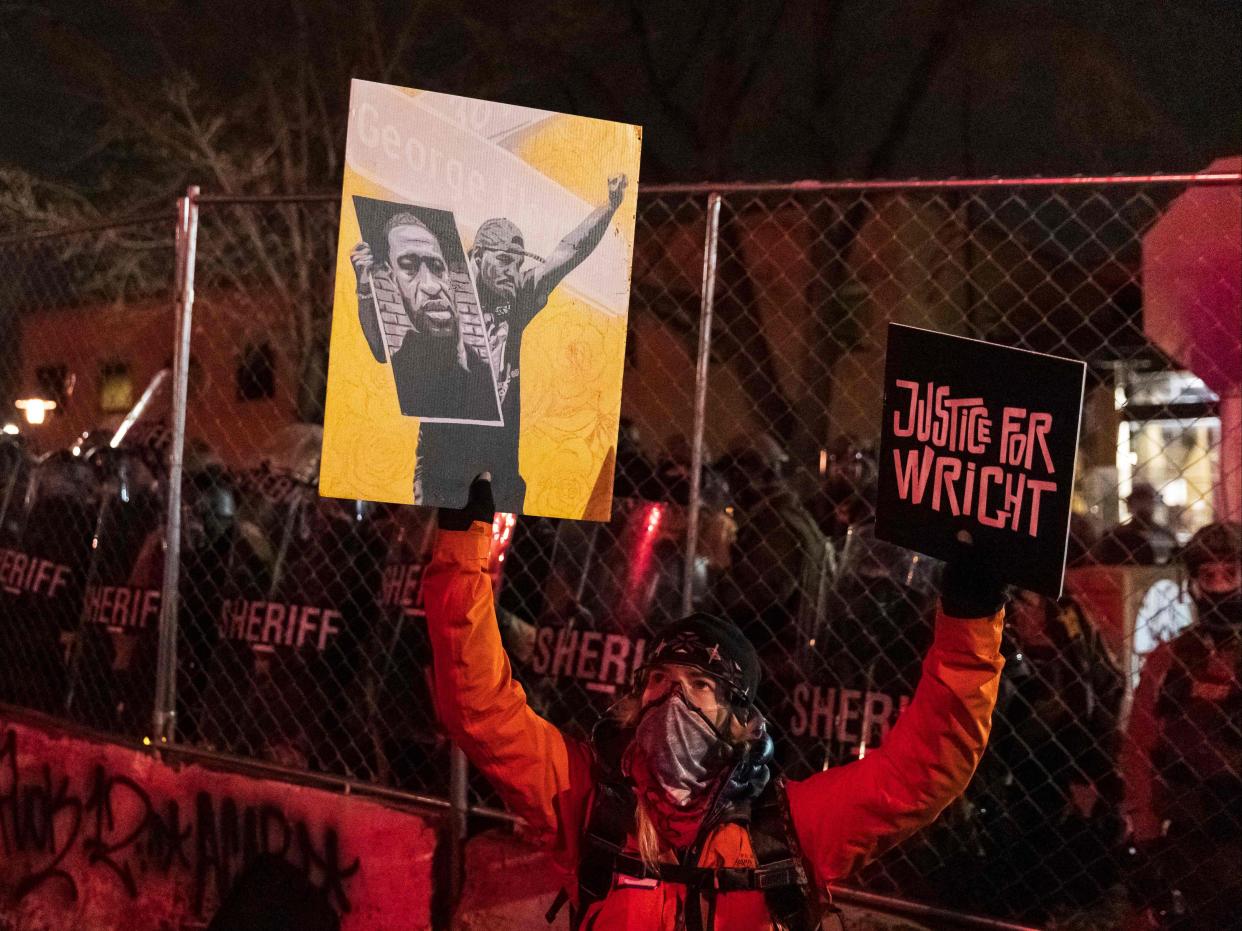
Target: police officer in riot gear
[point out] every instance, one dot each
(209, 527)
(780, 567)
(112, 667)
(299, 608)
(1048, 797)
(867, 651)
(1183, 753)
(43, 572)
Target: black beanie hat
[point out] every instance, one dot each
(712, 644)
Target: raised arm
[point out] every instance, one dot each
(571, 251)
(845, 816)
(541, 774)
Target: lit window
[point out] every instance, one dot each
(116, 388)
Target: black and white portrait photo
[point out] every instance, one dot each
(419, 312)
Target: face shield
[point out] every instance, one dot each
(209, 506)
(126, 475)
(867, 559)
(61, 476)
(14, 476)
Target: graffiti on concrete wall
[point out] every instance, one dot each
(117, 827)
(82, 823)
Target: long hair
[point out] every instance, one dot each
(626, 713)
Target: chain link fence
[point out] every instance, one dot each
(84, 323)
(302, 614)
(744, 486)
(806, 281)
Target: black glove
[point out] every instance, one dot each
(971, 587)
(479, 506)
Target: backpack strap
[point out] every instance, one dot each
(611, 820)
(708, 879)
(792, 903)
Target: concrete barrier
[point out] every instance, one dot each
(94, 835)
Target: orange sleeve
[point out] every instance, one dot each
(1142, 732)
(845, 816)
(541, 774)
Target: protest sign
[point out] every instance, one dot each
(479, 242)
(979, 439)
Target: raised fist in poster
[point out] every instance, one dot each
(362, 259)
(616, 190)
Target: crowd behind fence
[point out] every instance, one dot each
(183, 438)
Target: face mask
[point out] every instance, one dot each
(679, 746)
(1222, 609)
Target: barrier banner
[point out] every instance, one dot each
(979, 440)
(479, 242)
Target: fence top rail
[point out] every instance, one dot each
(1214, 178)
(227, 200)
(810, 186)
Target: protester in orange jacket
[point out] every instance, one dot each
(668, 818)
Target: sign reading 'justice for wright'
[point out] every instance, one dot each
(979, 438)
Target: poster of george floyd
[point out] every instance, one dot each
(980, 440)
(479, 316)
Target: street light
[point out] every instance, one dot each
(35, 409)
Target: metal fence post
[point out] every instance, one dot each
(710, 242)
(165, 713)
(459, 802)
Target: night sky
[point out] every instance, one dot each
(763, 90)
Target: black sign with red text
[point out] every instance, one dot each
(979, 438)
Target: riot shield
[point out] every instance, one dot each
(878, 628)
(299, 608)
(14, 477)
(112, 660)
(112, 664)
(209, 527)
(43, 572)
(409, 749)
(867, 655)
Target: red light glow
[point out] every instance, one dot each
(502, 528)
(502, 536)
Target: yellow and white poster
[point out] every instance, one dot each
(482, 287)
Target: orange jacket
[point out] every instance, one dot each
(842, 817)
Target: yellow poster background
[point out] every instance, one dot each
(572, 354)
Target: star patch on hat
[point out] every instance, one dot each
(716, 646)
